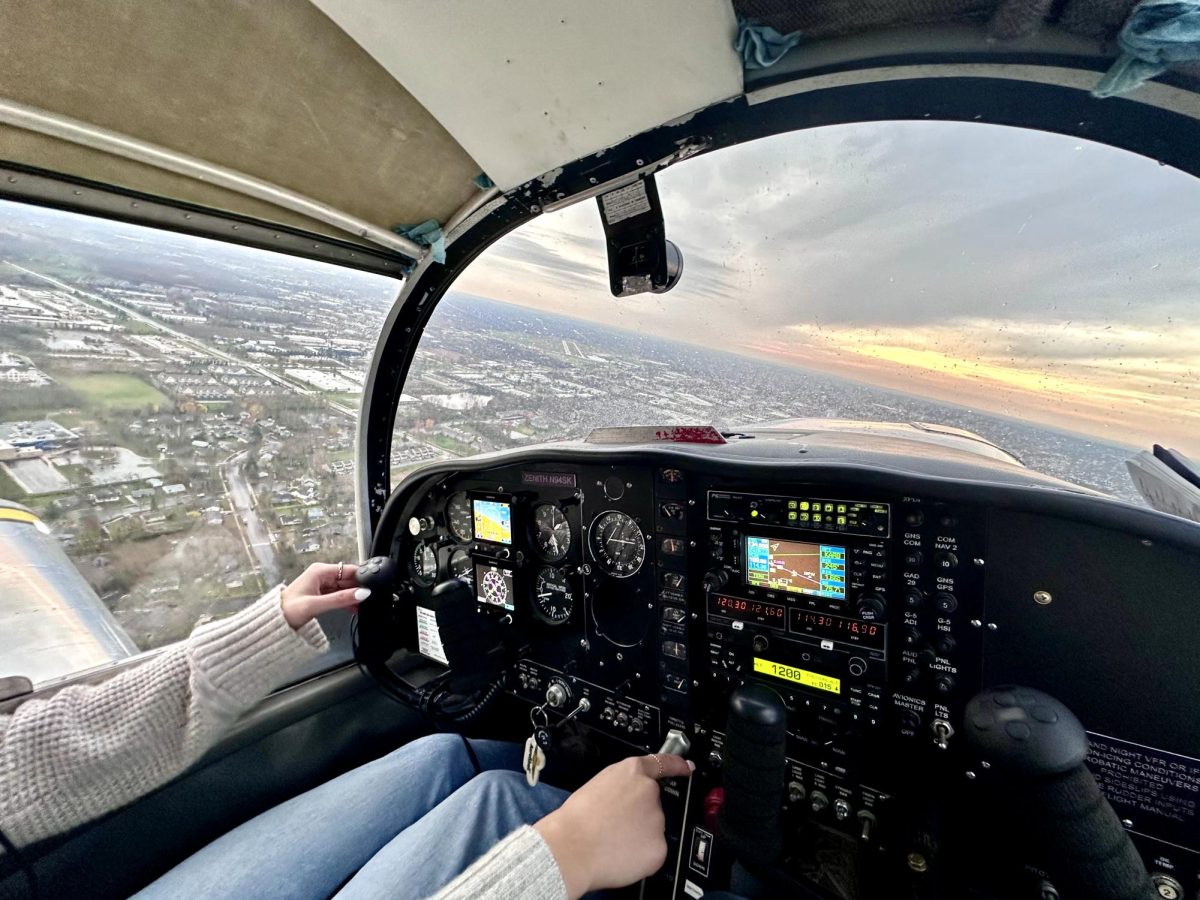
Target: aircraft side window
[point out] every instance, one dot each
(177, 428)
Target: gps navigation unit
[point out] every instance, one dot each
(797, 567)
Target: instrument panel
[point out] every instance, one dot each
(876, 607)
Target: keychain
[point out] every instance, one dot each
(534, 759)
(542, 739)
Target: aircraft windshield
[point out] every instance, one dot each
(1037, 290)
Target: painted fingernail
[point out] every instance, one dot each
(362, 593)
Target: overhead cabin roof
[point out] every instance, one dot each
(351, 118)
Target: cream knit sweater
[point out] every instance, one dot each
(90, 749)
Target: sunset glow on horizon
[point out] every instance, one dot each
(1020, 273)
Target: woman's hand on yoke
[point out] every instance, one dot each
(319, 589)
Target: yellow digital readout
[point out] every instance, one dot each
(799, 676)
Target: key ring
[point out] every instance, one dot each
(534, 712)
(341, 569)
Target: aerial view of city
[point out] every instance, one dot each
(182, 413)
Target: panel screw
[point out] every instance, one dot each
(970, 775)
(975, 623)
(992, 626)
(619, 657)
(1042, 598)
(917, 862)
(977, 561)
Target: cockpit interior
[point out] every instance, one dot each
(904, 663)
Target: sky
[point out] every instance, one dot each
(1021, 272)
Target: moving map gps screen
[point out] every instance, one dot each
(493, 521)
(797, 567)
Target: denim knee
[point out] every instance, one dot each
(434, 744)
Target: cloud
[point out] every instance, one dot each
(970, 248)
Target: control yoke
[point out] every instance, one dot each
(755, 763)
(1036, 749)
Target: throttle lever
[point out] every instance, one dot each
(676, 743)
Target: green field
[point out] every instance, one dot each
(9, 489)
(114, 390)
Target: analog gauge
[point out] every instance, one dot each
(617, 544)
(553, 599)
(552, 532)
(424, 563)
(459, 517)
(461, 566)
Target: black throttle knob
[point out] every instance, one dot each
(754, 765)
(1036, 748)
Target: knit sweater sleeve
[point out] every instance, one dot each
(93, 748)
(521, 865)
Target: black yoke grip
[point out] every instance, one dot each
(1037, 749)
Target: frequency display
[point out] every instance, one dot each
(796, 566)
(756, 611)
(838, 628)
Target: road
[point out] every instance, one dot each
(255, 534)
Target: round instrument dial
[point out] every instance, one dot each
(461, 566)
(617, 544)
(553, 597)
(552, 532)
(424, 563)
(459, 518)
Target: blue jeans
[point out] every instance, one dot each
(401, 826)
